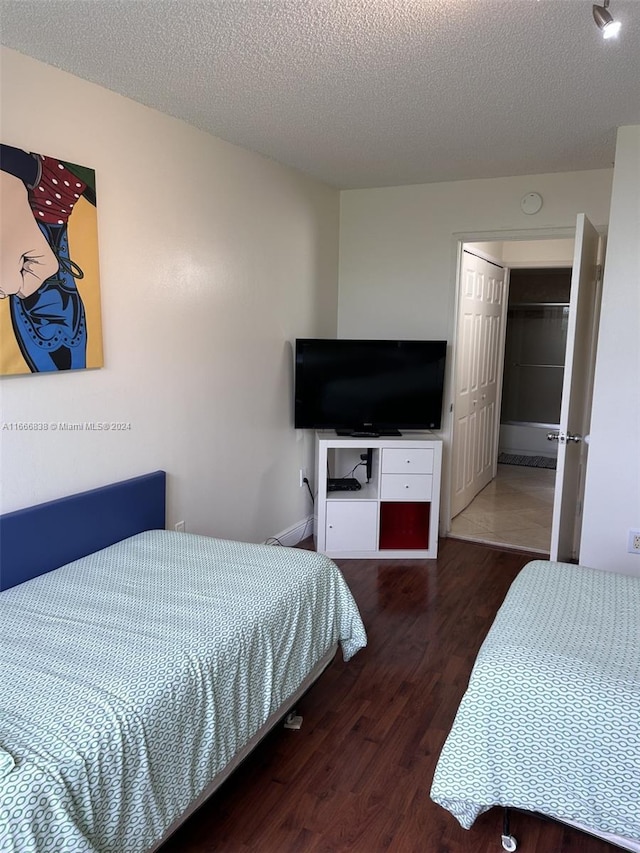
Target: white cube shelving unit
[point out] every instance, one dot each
(395, 514)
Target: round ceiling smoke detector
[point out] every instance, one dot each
(531, 203)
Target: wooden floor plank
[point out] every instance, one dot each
(357, 776)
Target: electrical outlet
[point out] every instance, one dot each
(303, 476)
(179, 527)
(633, 545)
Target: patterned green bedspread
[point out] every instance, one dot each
(550, 721)
(130, 678)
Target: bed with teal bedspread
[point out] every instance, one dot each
(550, 721)
(132, 676)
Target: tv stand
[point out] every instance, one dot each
(395, 511)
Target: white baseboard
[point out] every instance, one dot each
(294, 534)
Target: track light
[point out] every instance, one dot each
(602, 17)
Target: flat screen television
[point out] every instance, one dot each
(368, 387)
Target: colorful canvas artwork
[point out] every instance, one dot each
(50, 316)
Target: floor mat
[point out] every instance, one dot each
(527, 461)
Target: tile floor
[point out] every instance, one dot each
(514, 510)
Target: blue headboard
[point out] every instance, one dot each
(37, 539)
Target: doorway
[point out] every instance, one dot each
(515, 508)
(514, 511)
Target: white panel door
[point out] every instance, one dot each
(577, 390)
(478, 377)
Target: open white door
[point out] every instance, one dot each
(478, 374)
(577, 388)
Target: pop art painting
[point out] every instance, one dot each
(50, 316)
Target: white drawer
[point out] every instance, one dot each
(406, 487)
(397, 461)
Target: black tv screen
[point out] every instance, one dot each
(369, 386)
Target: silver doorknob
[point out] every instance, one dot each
(553, 436)
(572, 437)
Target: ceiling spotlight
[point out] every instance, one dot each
(602, 17)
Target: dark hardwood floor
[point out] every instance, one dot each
(357, 776)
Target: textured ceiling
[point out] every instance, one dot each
(362, 93)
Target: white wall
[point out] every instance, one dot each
(538, 253)
(398, 249)
(612, 499)
(213, 260)
(528, 253)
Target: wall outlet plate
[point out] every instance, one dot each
(633, 545)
